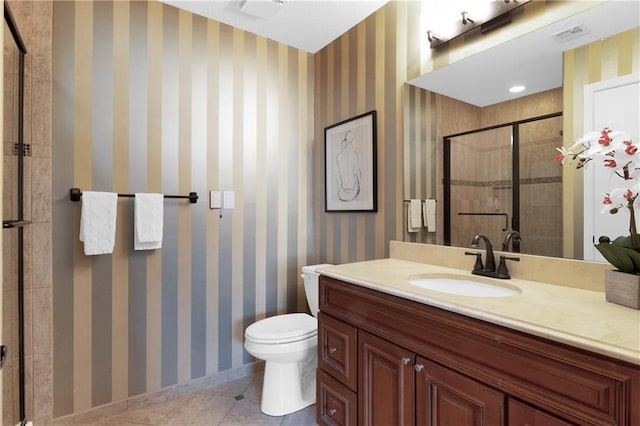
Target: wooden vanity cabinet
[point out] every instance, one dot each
(416, 364)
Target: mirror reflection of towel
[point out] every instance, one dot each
(414, 216)
(148, 221)
(98, 222)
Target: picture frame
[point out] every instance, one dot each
(351, 165)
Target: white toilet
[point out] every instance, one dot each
(288, 345)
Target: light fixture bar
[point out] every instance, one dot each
(499, 14)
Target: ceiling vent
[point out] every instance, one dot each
(571, 33)
(263, 9)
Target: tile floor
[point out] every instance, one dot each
(233, 403)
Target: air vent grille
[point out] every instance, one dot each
(571, 33)
(263, 9)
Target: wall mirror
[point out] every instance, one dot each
(471, 94)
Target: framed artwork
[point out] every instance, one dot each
(350, 165)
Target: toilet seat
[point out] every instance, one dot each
(282, 329)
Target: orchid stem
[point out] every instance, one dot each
(632, 225)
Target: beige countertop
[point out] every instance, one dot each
(574, 316)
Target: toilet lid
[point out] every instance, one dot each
(282, 329)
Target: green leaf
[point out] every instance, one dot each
(635, 258)
(625, 241)
(617, 256)
(622, 242)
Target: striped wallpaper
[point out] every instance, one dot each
(421, 153)
(601, 60)
(147, 98)
(363, 70)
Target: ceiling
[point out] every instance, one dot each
(308, 25)
(533, 60)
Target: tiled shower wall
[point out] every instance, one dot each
(34, 22)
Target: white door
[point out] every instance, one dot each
(613, 103)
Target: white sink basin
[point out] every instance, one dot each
(463, 286)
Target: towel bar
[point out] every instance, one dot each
(75, 194)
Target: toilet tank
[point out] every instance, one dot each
(310, 277)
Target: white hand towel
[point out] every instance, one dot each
(148, 221)
(429, 215)
(414, 215)
(98, 222)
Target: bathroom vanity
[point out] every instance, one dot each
(392, 353)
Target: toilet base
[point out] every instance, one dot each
(288, 387)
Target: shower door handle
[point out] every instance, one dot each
(3, 354)
(6, 224)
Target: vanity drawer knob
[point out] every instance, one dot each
(405, 360)
(332, 411)
(332, 350)
(418, 367)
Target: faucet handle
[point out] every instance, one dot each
(503, 271)
(478, 266)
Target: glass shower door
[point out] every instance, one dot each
(13, 224)
(502, 179)
(481, 186)
(541, 188)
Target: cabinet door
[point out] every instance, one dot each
(337, 343)
(524, 415)
(385, 382)
(444, 398)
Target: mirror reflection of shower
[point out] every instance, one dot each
(500, 181)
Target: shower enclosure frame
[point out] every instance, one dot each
(515, 167)
(20, 222)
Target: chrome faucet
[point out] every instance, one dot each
(489, 268)
(511, 237)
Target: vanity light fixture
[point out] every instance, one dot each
(517, 89)
(487, 16)
(465, 18)
(431, 36)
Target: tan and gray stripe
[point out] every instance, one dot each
(266, 106)
(148, 98)
(361, 71)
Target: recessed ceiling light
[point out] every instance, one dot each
(517, 89)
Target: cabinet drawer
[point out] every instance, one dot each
(335, 403)
(337, 343)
